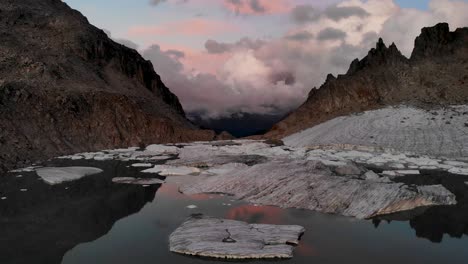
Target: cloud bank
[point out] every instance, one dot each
(262, 76)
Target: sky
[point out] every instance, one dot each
(222, 57)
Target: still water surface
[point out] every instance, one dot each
(95, 221)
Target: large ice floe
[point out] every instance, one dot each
(357, 181)
(229, 239)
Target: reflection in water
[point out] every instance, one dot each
(432, 223)
(256, 214)
(43, 223)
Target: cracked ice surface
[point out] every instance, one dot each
(232, 239)
(312, 185)
(437, 132)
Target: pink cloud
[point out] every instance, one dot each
(190, 27)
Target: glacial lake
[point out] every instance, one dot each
(93, 220)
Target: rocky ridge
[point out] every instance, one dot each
(66, 87)
(435, 75)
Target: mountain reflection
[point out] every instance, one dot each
(41, 224)
(434, 222)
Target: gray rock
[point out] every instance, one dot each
(311, 185)
(220, 238)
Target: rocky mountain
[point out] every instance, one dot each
(436, 75)
(66, 87)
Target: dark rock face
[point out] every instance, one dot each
(436, 74)
(66, 87)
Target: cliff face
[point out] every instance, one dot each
(435, 75)
(66, 87)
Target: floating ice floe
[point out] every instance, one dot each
(3, 198)
(167, 170)
(137, 181)
(408, 172)
(312, 185)
(142, 165)
(230, 239)
(192, 206)
(461, 171)
(57, 175)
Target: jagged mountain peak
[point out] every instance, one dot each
(434, 75)
(380, 55)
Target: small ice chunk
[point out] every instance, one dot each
(19, 176)
(408, 172)
(137, 181)
(142, 165)
(389, 173)
(456, 163)
(27, 169)
(396, 166)
(103, 157)
(3, 198)
(162, 149)
(460, 171)
(192, 206)
(167, 170)
(24, 190)
(428, 168)
(57, 175)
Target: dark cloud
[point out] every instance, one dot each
(157, 2)
(212, 46)
(337, 13)
(304, 13)
(331, 34)
(300, 36)
(215, 47)
(176, 54)
(256, 6)
(286, 77)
